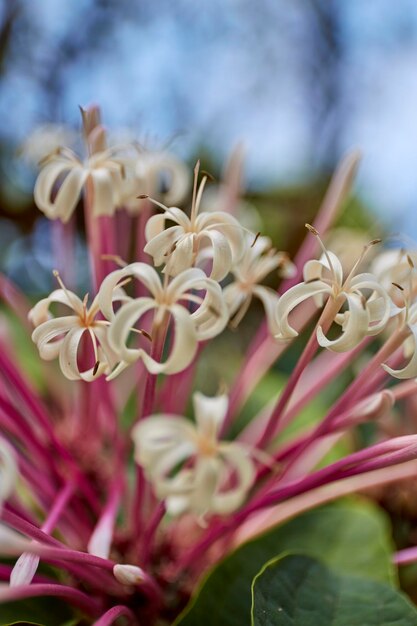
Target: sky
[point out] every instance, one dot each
(215, 74)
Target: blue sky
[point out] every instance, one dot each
(222, 72)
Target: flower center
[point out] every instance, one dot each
(206, 445)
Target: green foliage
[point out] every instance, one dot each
(336, 534)
(298, 590)
(46, 611)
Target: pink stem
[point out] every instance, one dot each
(325, 321)
(85, 602)
(406, 556)
(6, 570)
(158, 343)
(63, 244)
(59, 505)
(113, 614)
(29, 398)
(341, 361)
(149, 533)
(46, 547)
(142, 487)
(14, 423)
(105, 526)
(97, 578)
(175, 392)
(261, 355)
(124, 227)
(273, 422)
(15, 300)
(353, 393)
(382, 455)
(262, 352)
(269, 518)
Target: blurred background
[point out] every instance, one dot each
(297, 83)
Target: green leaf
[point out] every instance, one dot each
(351, 536)
(298, 590)
(20, 623)
(42, 611)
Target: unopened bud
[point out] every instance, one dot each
(128, 574)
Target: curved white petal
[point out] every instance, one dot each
(122, 324)
(45, 336)
(107, 293)
(45, 183)
(104, 192)
(68, 194)
(184, 347)
(178, 174)
(380, 305)
(191, 278)
(313, 270)
(234, 297)
(211, 316)
(210, 413)
(182, 256)
(236, 457)
(40, 312)
(158, 434)
(161, 246)
(177, 504)
(221, 253)
(68, 354)
(156, 224)
(207, 474)
(176, 491)
(108, 355)
(269, 299)
(184, 344)
(354, 330)
(292, 298)
(165, 463)
(228, 226)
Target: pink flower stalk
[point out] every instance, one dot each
(131, 507)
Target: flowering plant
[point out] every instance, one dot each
(129, 495)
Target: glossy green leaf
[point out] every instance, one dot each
(298, 590)
(350, 536)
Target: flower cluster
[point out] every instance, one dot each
(187, 277)
(112, 177)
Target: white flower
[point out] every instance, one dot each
(369, 307)
(258, 261)
(208, 319)
(61, 336)
(394, 268)
(215, 476)
(45, 140)
(178, 246)
(67, 172)
(162, 174)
